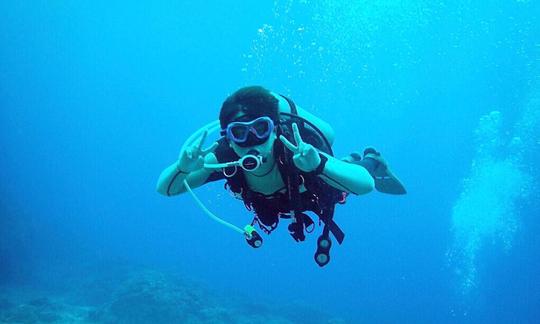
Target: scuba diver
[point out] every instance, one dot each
(277, 158)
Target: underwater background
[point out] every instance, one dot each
(97, 98)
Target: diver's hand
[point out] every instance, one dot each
(306, 157)
(192, 157)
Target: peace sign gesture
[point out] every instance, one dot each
(306, 157)
(192, 157)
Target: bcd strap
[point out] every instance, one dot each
(291, 103)
(296, 228)
(293, 190)
(327, 213)
(330, 225)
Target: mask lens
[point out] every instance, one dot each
(251, 133)
(262, 128)
(239, 132)
(251, 140)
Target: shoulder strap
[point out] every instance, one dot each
(294, 111)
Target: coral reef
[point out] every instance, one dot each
(41, 310)
(151, 296)
(146, 296)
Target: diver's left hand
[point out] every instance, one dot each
(306, 157)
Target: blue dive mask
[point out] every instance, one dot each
(246, 134)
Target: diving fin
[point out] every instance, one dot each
(385, 180)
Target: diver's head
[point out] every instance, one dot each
(248, 118)
(252, 102)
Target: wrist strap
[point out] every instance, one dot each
(321, 166)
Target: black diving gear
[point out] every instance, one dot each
(303, 191)
(289, 203)
(254, 239)
(322, 255)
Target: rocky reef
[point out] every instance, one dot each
(41, 310)
(143, 296)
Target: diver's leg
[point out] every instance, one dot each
(376, 165)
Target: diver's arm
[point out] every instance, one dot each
(171, 180)
(339, 174)
(345, 176)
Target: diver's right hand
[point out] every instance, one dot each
(192, 157)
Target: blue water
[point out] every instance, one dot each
(97, 98)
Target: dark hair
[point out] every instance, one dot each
(254, 102)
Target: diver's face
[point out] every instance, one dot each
(252, 135)
(265, 149)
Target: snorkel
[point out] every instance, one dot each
(250, 161)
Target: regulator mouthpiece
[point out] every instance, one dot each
(252, 161)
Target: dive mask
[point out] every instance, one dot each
(252, 133)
